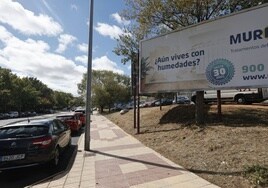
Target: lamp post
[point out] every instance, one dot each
(89, 71)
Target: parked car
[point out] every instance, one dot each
(151, 103)
(182, 100)
(124, 111)
(32, 143)
(82, 116)
(72, 120)
(13, 114)
(164, 101)
(6, 115)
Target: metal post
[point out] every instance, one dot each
(137, 78)
(89, 71)
(219, 105)
(134, 89)
(138, 114)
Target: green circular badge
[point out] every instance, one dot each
(220, 72)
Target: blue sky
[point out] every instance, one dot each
(48, 39)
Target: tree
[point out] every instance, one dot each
(46, 98)
(28, 94)
(107, 88)
(235, 5)
(6, 78)
(25, 96)
(62, 100)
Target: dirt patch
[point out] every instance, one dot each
(220, 152)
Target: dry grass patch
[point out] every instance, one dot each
(220, 152)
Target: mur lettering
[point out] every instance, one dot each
(249, 36)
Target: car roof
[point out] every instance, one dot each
(36, 122)
(66, 114)
(80, 110)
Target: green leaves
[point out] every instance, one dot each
(30, 94)
(107, 88)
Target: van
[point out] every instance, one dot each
(13, 114)
(240, 96)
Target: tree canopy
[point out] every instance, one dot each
(107, 88)
(30, 94)
(150, 18)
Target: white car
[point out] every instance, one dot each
(13, 114)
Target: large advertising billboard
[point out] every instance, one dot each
(230, 52)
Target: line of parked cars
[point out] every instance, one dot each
(16, 114)
(36, 142)
(164, 101)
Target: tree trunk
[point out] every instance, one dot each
(199, 108)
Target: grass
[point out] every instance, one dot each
(218, 151)
(257, 174)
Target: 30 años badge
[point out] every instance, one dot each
(220, 72)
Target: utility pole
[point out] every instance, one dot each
(89, 71)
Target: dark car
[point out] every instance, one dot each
(33, 143)
(182, 100)
(164, 101)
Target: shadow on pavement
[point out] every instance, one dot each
(33, 175)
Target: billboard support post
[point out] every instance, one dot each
(199, 109)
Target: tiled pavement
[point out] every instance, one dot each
(118, 160)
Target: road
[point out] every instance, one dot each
(28, 176)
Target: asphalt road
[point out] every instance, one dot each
(28, 176)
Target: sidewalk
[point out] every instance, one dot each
(118, 160)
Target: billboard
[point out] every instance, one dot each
(230, 52)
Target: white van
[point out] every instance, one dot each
(13, 114)
(240, 96)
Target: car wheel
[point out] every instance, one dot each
(193, 99)
(240, 100)
(69, 143)
(56, 158)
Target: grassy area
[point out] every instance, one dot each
(219, 152)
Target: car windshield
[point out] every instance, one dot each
(82, 111)
(65, 117)
(22, 131)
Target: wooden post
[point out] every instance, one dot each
(199, 108)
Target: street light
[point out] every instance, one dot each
(89, 71)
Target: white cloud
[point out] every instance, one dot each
(104, 63)
(64, 41)
(129, 67)
(52, 12)
(83, 59)
(83, 47)
(107, 30)
(120, 19)
(32, 58)
(25, 21)
(74, 7)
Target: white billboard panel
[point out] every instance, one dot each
(229, 52)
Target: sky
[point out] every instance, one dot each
(48, 39)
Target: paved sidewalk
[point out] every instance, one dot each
(118, 160)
